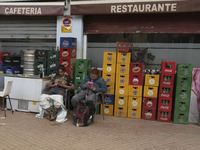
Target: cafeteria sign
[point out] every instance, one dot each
(67, 24)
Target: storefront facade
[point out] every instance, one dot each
(170, 29)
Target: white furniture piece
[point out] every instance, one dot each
(26, 92)
(5, 94)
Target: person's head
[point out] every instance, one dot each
(61, 70)
(94, 74)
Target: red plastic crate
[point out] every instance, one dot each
(3, 54)
(136, 68)
(68, 63)
(67, 53)
(164, 116)
(150, 103)
(70, 72)
(136, 79)
(166, 91)
(167, 79)
(168, 67)
(165, 104)
(149, 114)
(124, 47)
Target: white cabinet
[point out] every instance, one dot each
(25, 92)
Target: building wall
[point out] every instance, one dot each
(77, 32)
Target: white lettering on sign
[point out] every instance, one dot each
(23, 10)
(168, 7)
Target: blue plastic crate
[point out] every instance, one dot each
(1, 66)
(17, 70)
(109, 99)
(9, 69)
(68, 42)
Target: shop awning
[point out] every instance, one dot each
(86, 7)
(32, 8)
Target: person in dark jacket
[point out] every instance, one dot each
(91, 85)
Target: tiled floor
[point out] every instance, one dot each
(25, 132)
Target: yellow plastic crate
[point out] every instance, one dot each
(109, 78)
(109, 67)
(121, 90)
(108, 110)
(120, 111)
(134, 102)
(135, 90)
(1, 72)
(134, 112)
(152, 80)
(150, 91)
(123, 69)
(123, 57)
(109, 57)
(121, 101)
(122, 80)
(110, 89)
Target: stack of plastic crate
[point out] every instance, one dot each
(48, 61)
(150, 96)
(109, 67)
(183, 93)
(68, 54)
(122, 79)
(166, 91)
(136, 75)
(82, 69)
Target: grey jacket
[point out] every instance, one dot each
(99, 84)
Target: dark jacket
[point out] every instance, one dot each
(99, 84)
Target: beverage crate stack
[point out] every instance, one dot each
(166, 91)
(82, 69)
(2, 54)
(109, 70)
(136, 75)
(183, 93)
(67, 57)
(150, 96)
(47, 60)
(11, 64)
(122, 79)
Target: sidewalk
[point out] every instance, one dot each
(25, 132)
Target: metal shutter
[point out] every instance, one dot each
(27, 32)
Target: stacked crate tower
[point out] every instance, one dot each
(183, 93)
(150, 96)
(136, 75)
(109, 68)
(166, 91)
(67, 57)
(122, 79)
(82, 69)
(47, 60)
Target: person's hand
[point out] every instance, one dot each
(92, 88)
(55, 84)
(60, 84)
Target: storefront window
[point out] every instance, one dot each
(181, 48)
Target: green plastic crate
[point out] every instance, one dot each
(182, 106)
(53, 55)
(52, 65)
(83, 64)
(184, 82)
(40, 64)
(51, 72)
(80, 75)
(98, 109)
(77, 84)
(183, 94)
(184, 70)
(37, 72)
(180, 117)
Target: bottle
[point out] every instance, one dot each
(41, 73)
